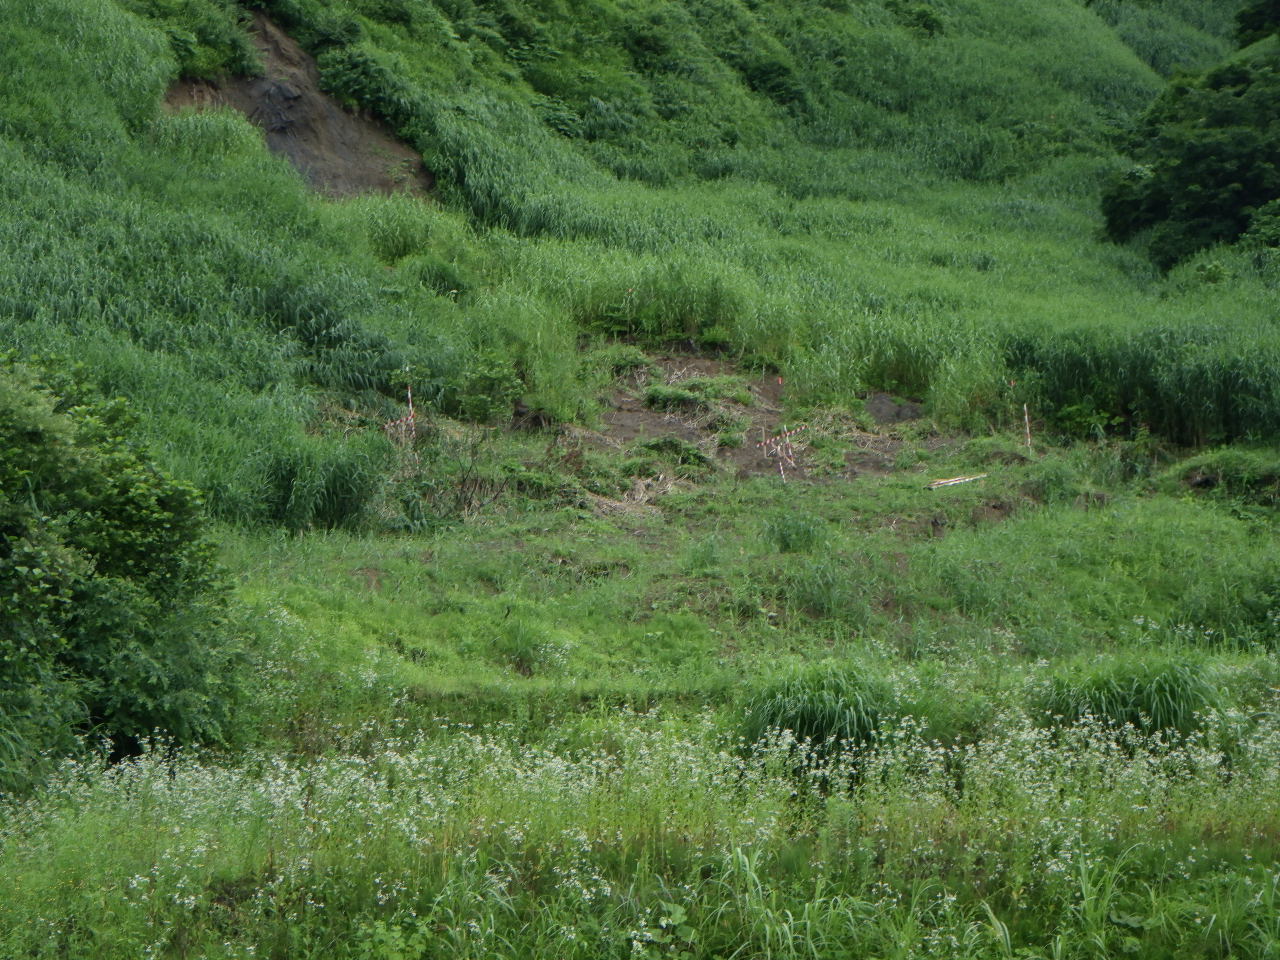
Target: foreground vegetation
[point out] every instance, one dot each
(536, 734)
(639, 836)
(277, 681)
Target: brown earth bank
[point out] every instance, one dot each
(339, 152)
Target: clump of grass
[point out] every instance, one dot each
(827, 587)
(829, 703)
(731, 436)
(688, 459)
(528, 649)
(623, 359)
(792, 532)
(323, 484)
(1149, 692)
(661, 396)
(696, 393)
(719, 388)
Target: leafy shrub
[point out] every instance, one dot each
(776, 79)
(920, 17)
(1148, 691)
(1205, 152)
(316, 24)
(340, 351)
(111, 611)
(486, 392)
(207, 38)
(1257, 20)
(364, 78)
(1264, 226)
(826, 703)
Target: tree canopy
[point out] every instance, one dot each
(111, 613)
(1207, 158)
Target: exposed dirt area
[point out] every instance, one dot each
(632, 418)
(339, 152)
(887, 410)
(739, 432)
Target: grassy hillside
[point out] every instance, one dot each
(579, 670)
(897, 197)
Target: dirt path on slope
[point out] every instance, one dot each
(339, 152)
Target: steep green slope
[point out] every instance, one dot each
(876, 195)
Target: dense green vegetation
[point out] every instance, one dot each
(276, 683)
(112, 617)
(1207, 150)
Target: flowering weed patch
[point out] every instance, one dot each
(668, 841)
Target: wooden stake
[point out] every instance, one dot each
(951, 482)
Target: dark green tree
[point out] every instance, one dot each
(1208, 158)
(112, 616)
(1257, 21)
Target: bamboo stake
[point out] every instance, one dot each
(951, 482)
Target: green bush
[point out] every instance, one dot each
(111, 610)
(1257, 20)
(1150, 691)
(206, 38)
(487, 392)
(1205, 157)
(795, 532)
(827, 703)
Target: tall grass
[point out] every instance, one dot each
(831, 192)
(667, 842)
(827, 704)
(1150, 693)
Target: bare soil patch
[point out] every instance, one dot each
(631, 419)
(339, 152)
(887, 410)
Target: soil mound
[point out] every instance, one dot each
(339, 152)
(887, 410)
